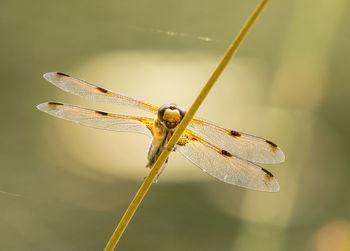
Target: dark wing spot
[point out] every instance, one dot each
(54, 103)
(269, 175)
(101, 89)
(102, 113)
(62, 74)
(273, 145)
(182, 142)
(226, 153)
(235, 134)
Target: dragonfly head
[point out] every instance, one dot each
(171, 115)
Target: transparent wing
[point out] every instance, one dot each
(98, 119)
(245, 146)
(92, 92)
(224, 166)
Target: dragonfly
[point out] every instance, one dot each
(227, 155)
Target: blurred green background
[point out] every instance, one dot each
(65, 187)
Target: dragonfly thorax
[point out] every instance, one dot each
(171, 115)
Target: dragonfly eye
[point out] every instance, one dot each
(161, 111)
(171, 115)
(182, 111)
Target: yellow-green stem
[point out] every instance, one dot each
(177, 134)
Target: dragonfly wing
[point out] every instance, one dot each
(98, 119)
(92, 92)
(245, 146)
(224, 166)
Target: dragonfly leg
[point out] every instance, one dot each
(160, 172)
